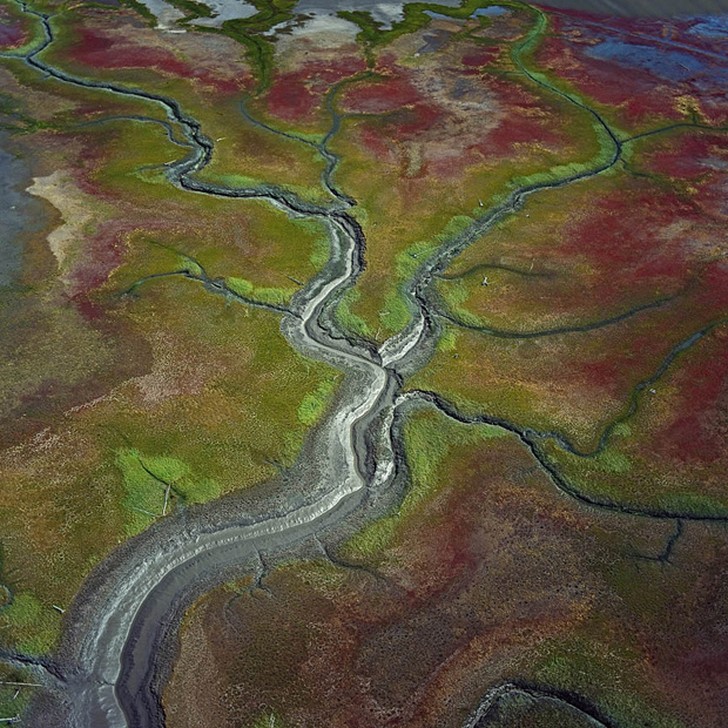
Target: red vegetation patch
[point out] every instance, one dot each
(102, 254)
(700, 426)
(708, 662)
(380, 135)
(527, 121)
(89, 309)
(381, 96)
(687, 439)
(413, 121)
(372, 140)
(295, 96)
(564, 20)
(96, 50)
(291, 99)
(12, 33)
(693, 662)
(480, 58)
(514, 130)
(684, 158)
(612, 373)
(622, 235)
(714, 287)
(636, 93)
(444, 107)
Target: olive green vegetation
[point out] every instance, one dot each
(13, 118)
(609, 474)
(631, 468)
(237, 430)
(247, 157)
(46, 104)
(142, 9)
(14, 698)
(387, 307)
(432, 445)
(696, 503)
(261, 246)
(35, 626)
(537, 383)
(409, 261)
(250, 32)
(46, 344)
(244, 154)
(448, 341)
(158, 459)
(610, 114)
(631, 480)
(273, 296)
(6, 594)
(314, 405)
(29, 24)
(347, 319)
(226, 403)
(522, 55)
(204, 258)
(373, 33)
(155, 485)
(268, 719)
(397, 311)
(455, 293)
(258, 418)
(592, 665)
(543, 291)
(192, 9)
(612, 462)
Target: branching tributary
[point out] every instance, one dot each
(129, 610)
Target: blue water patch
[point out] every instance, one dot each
(712, 26)
(667, 64)
(490, 11)
(16, 213)
(440, 16)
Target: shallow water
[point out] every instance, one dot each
(385, 13)
(647, 8)
(671, 65)
(491, 11)
(16, 207)
(166, 14)
(388, 13)
(226, 10)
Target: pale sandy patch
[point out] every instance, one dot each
(59, 189)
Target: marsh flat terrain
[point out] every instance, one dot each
(364, 364)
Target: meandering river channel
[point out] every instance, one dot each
(128, 612)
